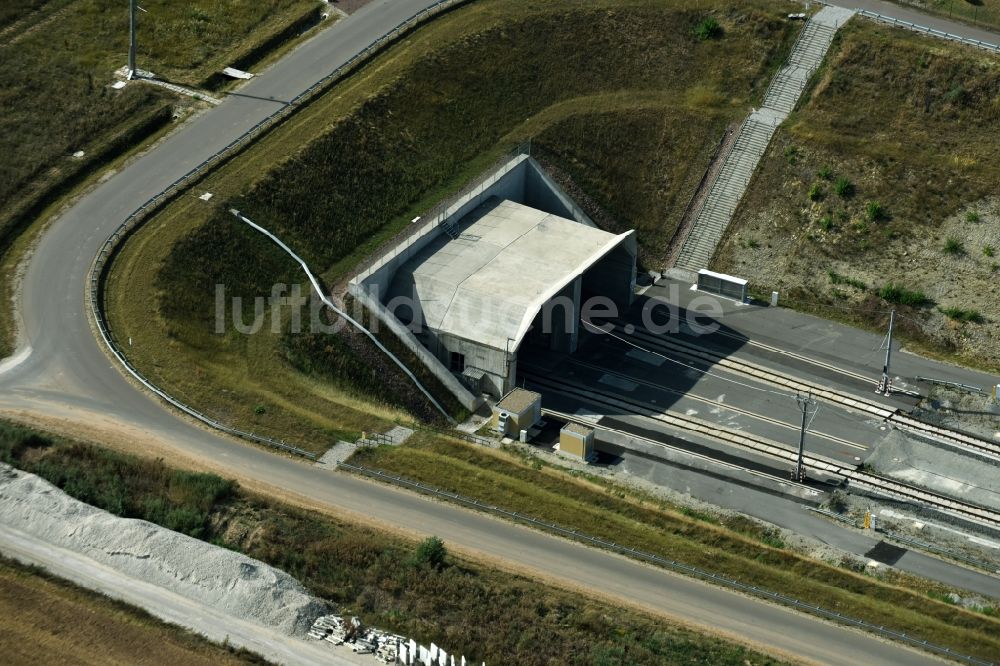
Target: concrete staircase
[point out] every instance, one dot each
(755, 135)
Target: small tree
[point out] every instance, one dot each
(430, 553)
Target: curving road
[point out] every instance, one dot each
(65, 375)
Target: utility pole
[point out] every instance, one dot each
(805, 402)
(132, 9)
(885, 385)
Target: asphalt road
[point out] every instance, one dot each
(171, 607)
(66, 375)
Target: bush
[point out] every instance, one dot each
(837, 278)
(751, 244)
(825, 172)
(708, 29)
(430, 553)
(958, 314)
(815, 192)
(972, 216)
(953, 246)
(988, 250)
(792, 154)
(843, 187)
(894, 293)
(826, 223)
(874, 211)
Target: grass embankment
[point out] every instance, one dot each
(735, 547)
(51, 621)
(56, 64)
(881, 191)
(982, 13)
(470, 608)
(351, 170)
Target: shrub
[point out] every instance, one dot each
(792, 154)
(837, 278)
(989, 250)
(972, 216)
(958, 314)
(955, 95)
(953, 246)
(260, 409)
(874, 211)
(837, 502)
(751, 244)
(843, 187)
(708, 29)
(894, 293)
(430, 553)
(825, 172)
(815, 192)
(826, 223)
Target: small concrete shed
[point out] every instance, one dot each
(576, 441)
(519, 410)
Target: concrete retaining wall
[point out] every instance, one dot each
(522, 180)
(405, 335)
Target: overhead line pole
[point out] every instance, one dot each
(885, 385)
(132, 9)
(804, 403)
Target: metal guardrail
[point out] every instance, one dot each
(929, 31)
(958, 385)
(669, 564)
(133, 221)
(472, 438)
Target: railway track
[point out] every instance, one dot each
(722, 406)
(894, 417)
(901, 491)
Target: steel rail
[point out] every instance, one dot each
(710, 401)
(891, 416)
(980, 515)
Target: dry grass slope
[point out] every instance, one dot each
(886, 174)
(56, 64)
(737, 548)
(475, 610)
(49, 621)
(354, 168)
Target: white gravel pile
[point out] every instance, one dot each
(229, 582)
